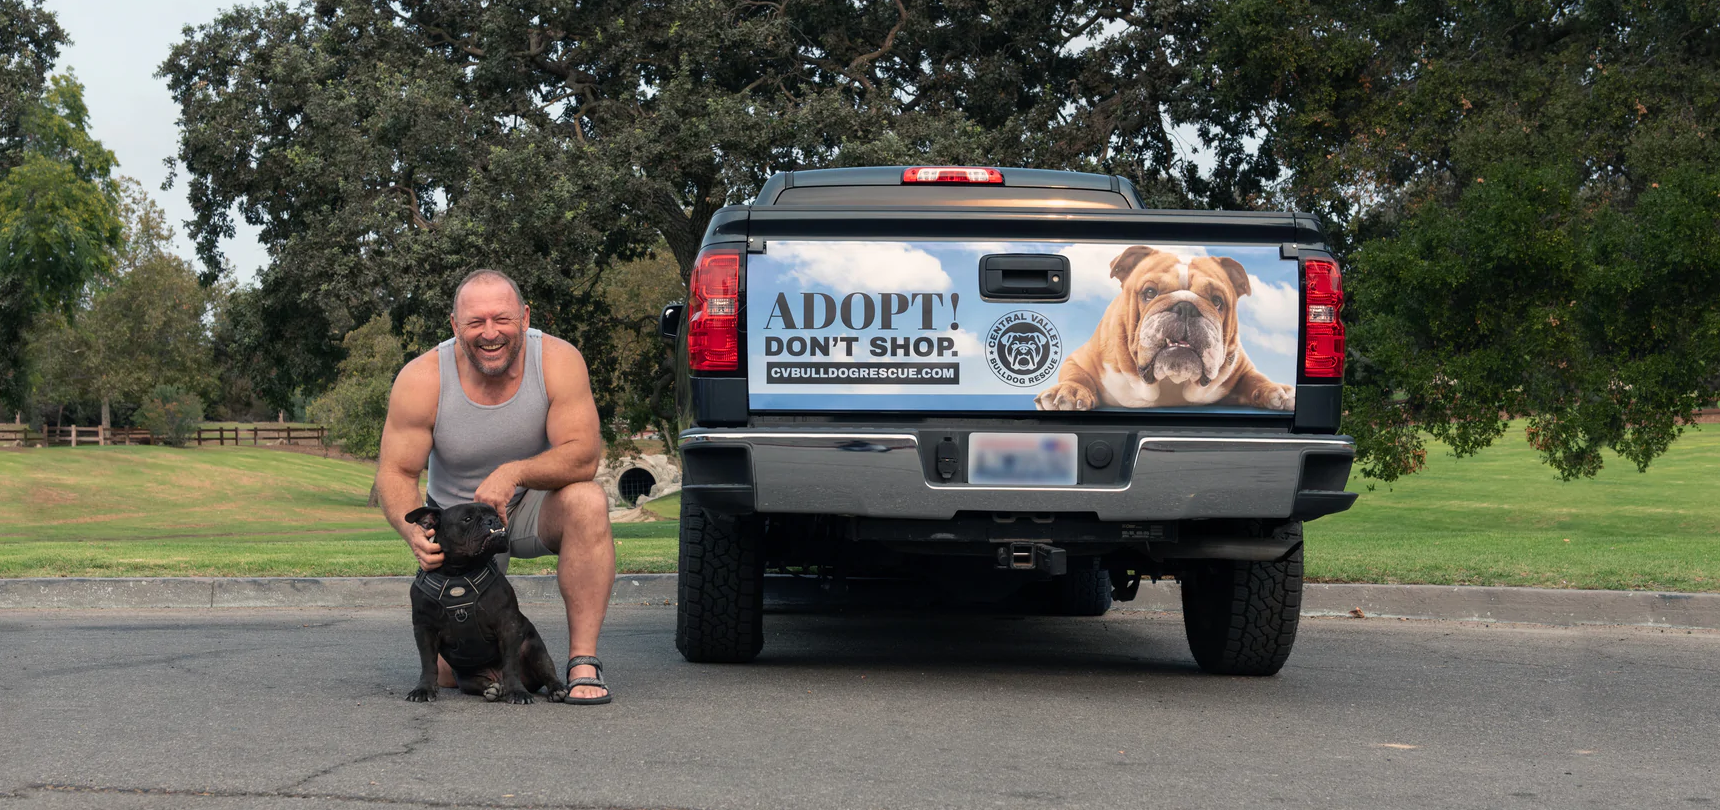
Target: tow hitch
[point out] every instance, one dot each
(1041, 557)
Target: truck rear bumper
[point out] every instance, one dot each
(1171, 475)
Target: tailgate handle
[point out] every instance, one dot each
(1042, 277)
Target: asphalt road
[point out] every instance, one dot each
(303, 708)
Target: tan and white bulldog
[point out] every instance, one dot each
(1169, 339)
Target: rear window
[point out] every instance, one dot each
(952, 195)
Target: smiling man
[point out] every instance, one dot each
(502, 414)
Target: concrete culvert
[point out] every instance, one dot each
(635, 483)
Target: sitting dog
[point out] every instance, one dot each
(467, 612)
(1169, 338)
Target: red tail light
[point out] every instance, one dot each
(1322, 319)
(951, 174)
(713, 333)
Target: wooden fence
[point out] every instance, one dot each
(257, 435)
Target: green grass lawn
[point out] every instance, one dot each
(1500, 518)
(218, 511)
(1504, 518)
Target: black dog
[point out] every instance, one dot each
(467, 612)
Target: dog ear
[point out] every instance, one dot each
(1238, 276)
(1126, 261)
(426, 516)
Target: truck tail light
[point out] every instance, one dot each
(1322, 319)
(952, 174)
(713, 331)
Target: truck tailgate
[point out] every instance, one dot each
(951, 325)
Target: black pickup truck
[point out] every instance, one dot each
(1013, 378)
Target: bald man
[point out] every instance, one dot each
(502, 414)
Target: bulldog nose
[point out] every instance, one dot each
(1186, 310)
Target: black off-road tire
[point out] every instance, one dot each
(720, 618)
(1082, 593)
(1241, 617)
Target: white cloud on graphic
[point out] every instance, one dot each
(1268, 316)
(1090, 265)
(862, 266)
(967, 344)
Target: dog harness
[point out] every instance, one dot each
(469, 644)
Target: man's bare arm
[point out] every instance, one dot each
(575, 443)
(406, 439)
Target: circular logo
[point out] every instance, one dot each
(1023, 348)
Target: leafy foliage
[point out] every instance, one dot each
(171, 414)
(356, 407)
(30, 40)
(1527, 196)
(636, 292)
(142, 328)
(58, 221)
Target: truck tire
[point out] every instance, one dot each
(1082, 593)
(1241, 616)
(720, 618)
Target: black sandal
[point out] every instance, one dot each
(591, 661)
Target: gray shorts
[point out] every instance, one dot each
(523, 540)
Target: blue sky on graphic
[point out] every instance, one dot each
(1267, 316)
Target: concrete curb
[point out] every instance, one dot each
(249, 592)
(1483, 604)
(1451, 603)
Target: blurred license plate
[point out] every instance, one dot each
(1046, 459)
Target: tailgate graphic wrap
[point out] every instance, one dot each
(902, 326)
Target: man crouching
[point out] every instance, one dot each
(502, 414)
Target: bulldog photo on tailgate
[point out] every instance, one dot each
(1170, 337)
(1006, 386)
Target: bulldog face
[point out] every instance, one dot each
(1023, 351)
(468, 533)
(1181, 313)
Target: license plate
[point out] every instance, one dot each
(1042, 459)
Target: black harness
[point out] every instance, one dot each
(469, 643)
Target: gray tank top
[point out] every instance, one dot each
(470, 440)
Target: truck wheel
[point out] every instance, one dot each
(1240, 616)
(720, 618)
(1082, 593)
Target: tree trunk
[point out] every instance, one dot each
(107, 420)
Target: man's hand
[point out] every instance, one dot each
(424, 546)
(498, 489)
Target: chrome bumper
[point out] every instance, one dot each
(881, 474)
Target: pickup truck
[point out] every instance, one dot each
(1013, 378)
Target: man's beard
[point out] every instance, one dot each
(500, 368)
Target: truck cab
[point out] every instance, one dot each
(1015, 378)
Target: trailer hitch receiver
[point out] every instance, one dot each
(1041, 557)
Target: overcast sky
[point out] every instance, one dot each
(116, 47)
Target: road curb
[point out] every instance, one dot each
(1443, 602)
(1477, 603)
(250, 592)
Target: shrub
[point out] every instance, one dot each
(355, 408)
(171, 414)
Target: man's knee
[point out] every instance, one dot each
(584, 507)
